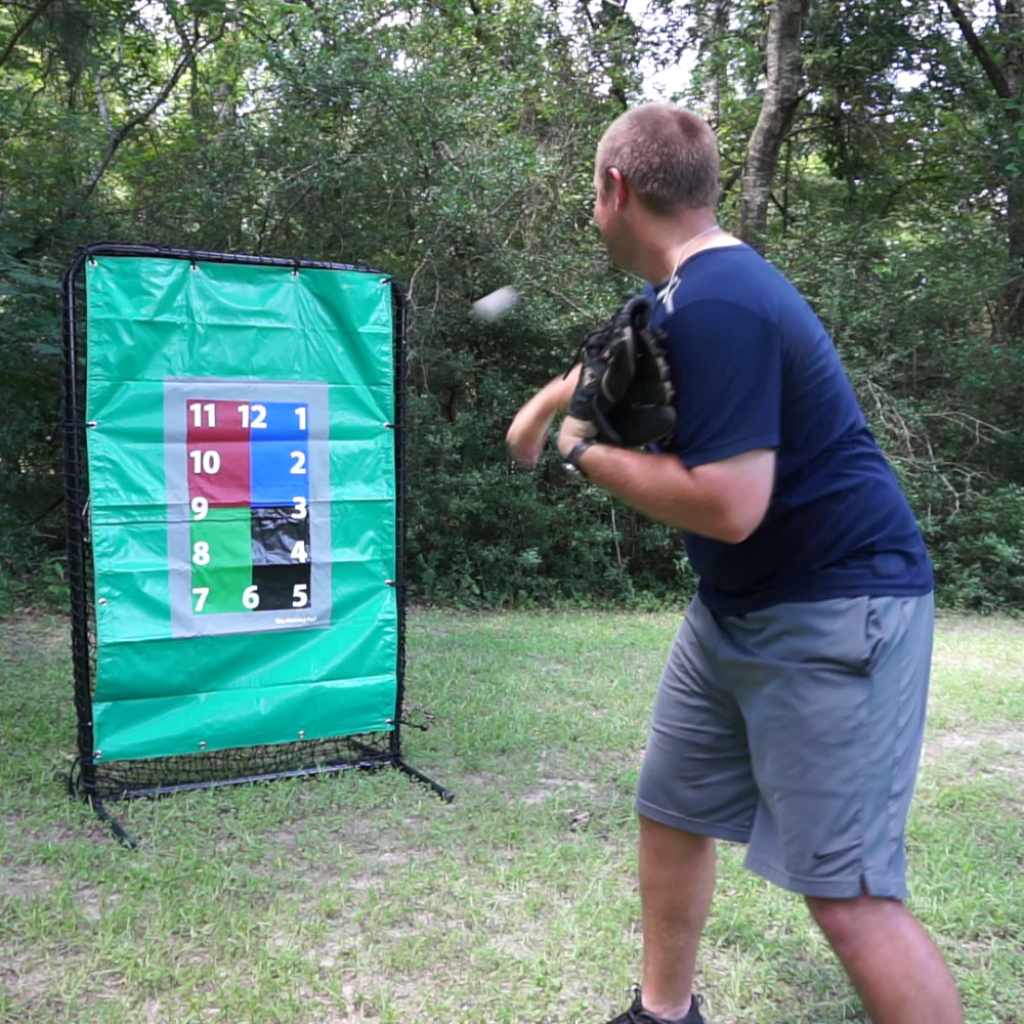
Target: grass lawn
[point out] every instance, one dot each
(364, 898)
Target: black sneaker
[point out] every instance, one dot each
(636, 1014)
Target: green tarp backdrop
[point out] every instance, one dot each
(242, 501)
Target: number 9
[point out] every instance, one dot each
(200, 506)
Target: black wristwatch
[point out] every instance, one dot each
(572, 460)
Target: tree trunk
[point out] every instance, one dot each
(1010, 25)
(1007, 79)
(782, 95)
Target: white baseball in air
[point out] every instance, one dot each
(498, 303)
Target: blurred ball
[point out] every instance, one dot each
(498, 303)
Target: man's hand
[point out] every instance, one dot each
(526, 436)
(529, 429)
(574, 430)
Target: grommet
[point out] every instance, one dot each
(389, 583)
(92, 424)
(102, 600)
(302, 734)
(385, 280)
(202, 744)
(389, 426)
(389, 721)
(92, 261)
(98, 755)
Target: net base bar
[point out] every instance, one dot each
(108, 787)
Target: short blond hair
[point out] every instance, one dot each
(666, 154)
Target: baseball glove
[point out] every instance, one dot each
(625, 387)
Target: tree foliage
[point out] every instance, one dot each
(451, 143)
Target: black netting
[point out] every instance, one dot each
(164, 775)
(158, 776)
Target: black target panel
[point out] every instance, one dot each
(280, 557)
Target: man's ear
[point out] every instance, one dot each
(619, 187)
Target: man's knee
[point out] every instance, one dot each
(844, 920)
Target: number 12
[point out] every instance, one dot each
(254, 416)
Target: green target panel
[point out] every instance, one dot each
(242, 504)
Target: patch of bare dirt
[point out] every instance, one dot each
(28, 882)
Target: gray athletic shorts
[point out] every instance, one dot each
(796, 729)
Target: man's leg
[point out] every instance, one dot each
(893, 964)
(695, 785)
(677, 879)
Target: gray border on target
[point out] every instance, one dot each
(317, 615)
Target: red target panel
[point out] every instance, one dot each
(217, 445)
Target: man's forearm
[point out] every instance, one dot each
(555, 396)
(698, 501)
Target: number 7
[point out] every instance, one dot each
(204, 593)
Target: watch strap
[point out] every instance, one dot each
(572, 460)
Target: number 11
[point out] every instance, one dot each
(198, 408)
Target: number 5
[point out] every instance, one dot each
(300, 596)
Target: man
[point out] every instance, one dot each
(791, 711)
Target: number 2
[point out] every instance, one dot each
(300, 463)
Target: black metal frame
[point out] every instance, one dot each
(85, 780)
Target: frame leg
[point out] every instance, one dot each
(445, 794)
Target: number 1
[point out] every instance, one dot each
(300, 411)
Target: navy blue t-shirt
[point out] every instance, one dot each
(754, 368)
